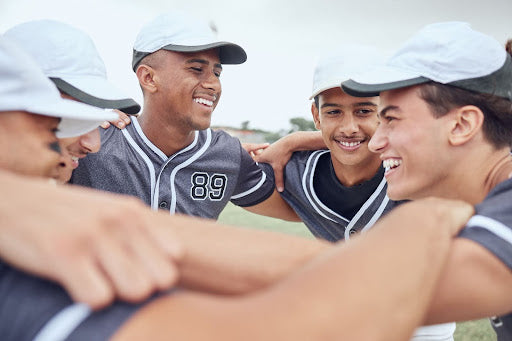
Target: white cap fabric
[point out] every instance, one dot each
(23, 87)
(180, 32)
(69, 57)
(338, 66)
(448, 53)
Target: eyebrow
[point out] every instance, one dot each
(330, 105)
(365, 104)
(384, 111)
(204, 62)
(359, 104)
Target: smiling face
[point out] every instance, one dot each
(188, 87)
(413, 145)
(29, 145)
(347, 124)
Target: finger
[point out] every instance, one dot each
(278, 176)
(86, 283)
(122, 116)
(156, 263)
(163, 237)
(126, 273)
(105, 125)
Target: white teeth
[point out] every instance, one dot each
(350, 144)
(74, 158)
(203, 101)
(391, 163)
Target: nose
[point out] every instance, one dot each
(91, 141)
(212, 82)
(350, 125)
(378, 142)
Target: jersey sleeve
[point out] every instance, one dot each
(253, 185)
(491, 226)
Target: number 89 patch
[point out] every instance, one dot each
(206, 186)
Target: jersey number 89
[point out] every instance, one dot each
(204, 186)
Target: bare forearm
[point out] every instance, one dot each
(385, 277)
(227, 259)
(304, 140)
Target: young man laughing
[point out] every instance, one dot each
(446, 131)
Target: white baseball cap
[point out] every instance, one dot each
(23, 87)
(341, 64)
(448, 53)
(69, 58)
(178, 31)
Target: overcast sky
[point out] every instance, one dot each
(282, 40)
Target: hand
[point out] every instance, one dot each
(121, 122)
(448, 214)
(277, 155)
(254, 148)
(97, 246)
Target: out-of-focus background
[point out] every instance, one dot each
(268, 95)
(282, 38)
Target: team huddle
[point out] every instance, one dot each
(407, 188)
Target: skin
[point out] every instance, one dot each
(332, 305)
(343, 120)
(24, 135)
(75, 148)
(435, 156)
(172, 85)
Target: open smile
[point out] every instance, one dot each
(390, 165)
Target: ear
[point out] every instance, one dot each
(146, 76)
(316, 115)
(467, 122)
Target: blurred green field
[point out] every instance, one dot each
(468, 331)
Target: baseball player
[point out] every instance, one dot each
(70, 59)
(342, 190)
(446, 131)
(169, 157)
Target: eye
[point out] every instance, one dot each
(364, 111)
(197, 69)
(217, 74)
(332, 112)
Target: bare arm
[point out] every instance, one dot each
(279, 153)
(386, 276)
(97, 246)
(276, 207)
(471, 272)
(226, 259)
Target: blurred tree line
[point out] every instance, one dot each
(296, 124)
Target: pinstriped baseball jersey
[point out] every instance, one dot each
(323, 222)
(36, 309)
(491, 227)
(198, 180)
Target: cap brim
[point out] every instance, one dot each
(229, 53)
(379, 79)
(76, 118)
(98, 92)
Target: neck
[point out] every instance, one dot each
(351, 175)
(168, 137)
(472, 181)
